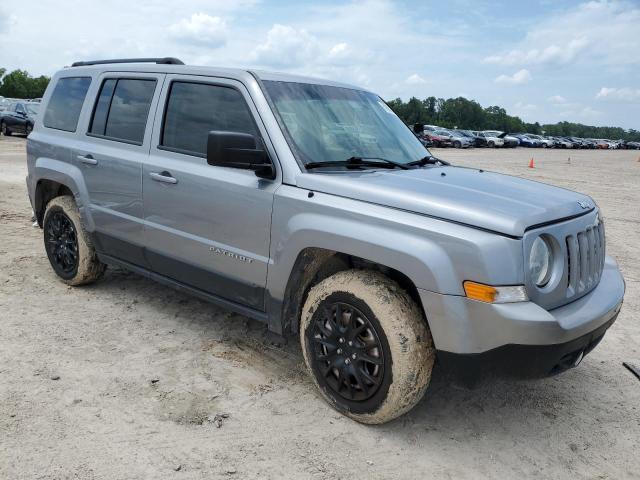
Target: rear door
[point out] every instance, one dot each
(206, 226)
(110, 154)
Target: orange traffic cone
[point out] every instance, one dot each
(531, 164)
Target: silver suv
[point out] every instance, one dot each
(308, 205)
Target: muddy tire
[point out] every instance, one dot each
(68, 246)
(366, 345)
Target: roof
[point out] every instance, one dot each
(245, 75)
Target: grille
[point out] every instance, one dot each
(585, 259)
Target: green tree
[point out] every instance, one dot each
(19, 84)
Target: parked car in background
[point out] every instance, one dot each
(526, 141)
(4, 104)
(438, 139)
(544, 142)
(18, 118)
(460, 140)
(563, 143)
(478, 141)
(492, 139)
(507, 140)
(423, 139)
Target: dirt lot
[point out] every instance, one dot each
(128, 378)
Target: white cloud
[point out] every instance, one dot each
(596, 31)
(519, 78)
(415, 79)
(624, 94)
(557, 99)
(525, 106)
(550, 54)
(286, 46)
(201, 29)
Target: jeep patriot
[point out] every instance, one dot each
(308, 205)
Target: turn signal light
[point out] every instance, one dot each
(490, 294)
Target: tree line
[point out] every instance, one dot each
(450, 113)
(19, 84)
(470, 115)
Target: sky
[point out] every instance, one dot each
(542, 60)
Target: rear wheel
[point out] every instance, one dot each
(457, 144)
(68, 246)
(28, 130)
(366, 345)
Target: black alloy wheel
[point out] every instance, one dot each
(61, 243)
(348, 355)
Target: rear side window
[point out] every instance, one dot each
(194, 109)
(122, 109)
(65, 104)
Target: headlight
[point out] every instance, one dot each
(540, 261)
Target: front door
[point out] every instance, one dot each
(206, 226)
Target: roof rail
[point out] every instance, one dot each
(162, 61)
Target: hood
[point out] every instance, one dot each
(487, 200)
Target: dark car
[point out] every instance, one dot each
(19, 118)
(526, 141)
(478, 141)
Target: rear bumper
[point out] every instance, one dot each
(522, 333)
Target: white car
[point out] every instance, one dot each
(492, 139)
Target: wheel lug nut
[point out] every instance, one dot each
(341, 340)
(350, 343)
(347, 361)
(353, 355)
(339, 351)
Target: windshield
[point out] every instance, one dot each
(32, 108)
(331, 124)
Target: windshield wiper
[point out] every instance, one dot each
(428, 160)
(357, 162)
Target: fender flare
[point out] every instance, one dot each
(71, 177)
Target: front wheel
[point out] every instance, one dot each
(457, 144)
(366, 345)
(28, 130)
(491, 144)
(5, 130)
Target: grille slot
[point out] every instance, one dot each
(585, 259)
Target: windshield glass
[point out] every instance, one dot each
(32, 108)
(331, 124)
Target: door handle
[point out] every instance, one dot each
(164, 177)
(88, 159)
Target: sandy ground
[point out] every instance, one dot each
(130, 379)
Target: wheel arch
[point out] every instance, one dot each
(52, 178)
(314, 264)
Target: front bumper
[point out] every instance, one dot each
(532, 339)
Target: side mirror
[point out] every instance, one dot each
(239, 150)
